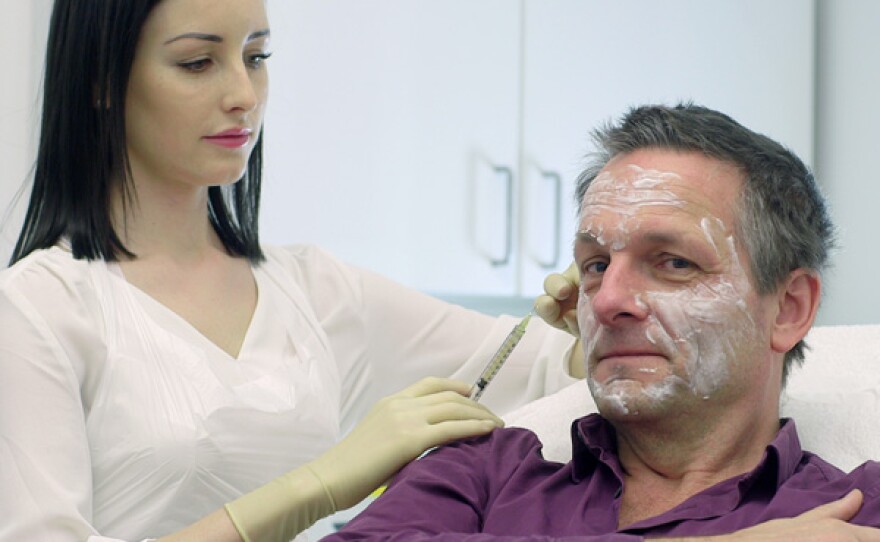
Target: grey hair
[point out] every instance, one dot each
(783, 219)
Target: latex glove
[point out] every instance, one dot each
(558, 305)
(397, 429)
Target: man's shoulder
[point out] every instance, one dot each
(475, 466)
(504, 450)
(867, 472)
(505, 441)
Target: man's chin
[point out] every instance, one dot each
(623, 397)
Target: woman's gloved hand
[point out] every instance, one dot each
(398, 429)
(558, 305)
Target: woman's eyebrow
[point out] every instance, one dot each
(214, 37)
(196, 36)
(258, 34)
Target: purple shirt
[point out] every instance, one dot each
(499, 486)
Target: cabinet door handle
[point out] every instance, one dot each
(557, 215)
(508, 232)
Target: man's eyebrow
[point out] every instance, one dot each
(654, 238)
(658, 238)
(585, 236)
(214, 37)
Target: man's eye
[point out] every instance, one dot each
(593, 268)
(677, 263)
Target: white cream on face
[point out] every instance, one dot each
(697, 325)
(646, 188)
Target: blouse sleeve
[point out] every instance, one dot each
(386, 336)
(45, 469)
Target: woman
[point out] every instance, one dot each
(161, 373)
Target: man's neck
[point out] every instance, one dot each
(666, 462)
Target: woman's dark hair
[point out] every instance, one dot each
(82, 146)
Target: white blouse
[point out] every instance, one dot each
(120, 421)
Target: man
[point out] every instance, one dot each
(699, 250)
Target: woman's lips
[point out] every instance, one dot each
(230, 139)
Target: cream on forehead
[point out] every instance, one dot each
(625, 196)
(639, 187)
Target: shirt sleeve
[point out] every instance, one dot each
(447, 495)
(386, 336)
(45, 468)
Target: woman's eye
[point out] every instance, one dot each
(255, 61)
(196, 66)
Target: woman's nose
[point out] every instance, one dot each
(241, 90)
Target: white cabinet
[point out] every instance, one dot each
(386, 121)
(433, 140)
(585, 62)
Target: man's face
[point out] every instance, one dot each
(667, 311)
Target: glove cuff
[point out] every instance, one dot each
(283, 508)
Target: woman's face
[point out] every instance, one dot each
(197, 90)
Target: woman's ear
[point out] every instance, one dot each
(798, 303)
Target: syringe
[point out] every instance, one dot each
(499, 358)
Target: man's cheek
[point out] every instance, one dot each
(587, 324)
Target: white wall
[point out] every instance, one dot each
(848, 145)
(22, 31)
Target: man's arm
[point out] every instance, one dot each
(449, 494)
(462, 490)
(829, 522)
(826, 523)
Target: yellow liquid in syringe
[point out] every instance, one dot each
(499, 358)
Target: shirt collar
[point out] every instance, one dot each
(595, 440)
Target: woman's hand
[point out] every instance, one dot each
(398, 429)
(558, 305)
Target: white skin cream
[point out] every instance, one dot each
(651, 249)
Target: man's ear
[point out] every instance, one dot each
(798, 302)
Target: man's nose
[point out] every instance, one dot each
(619, 298)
